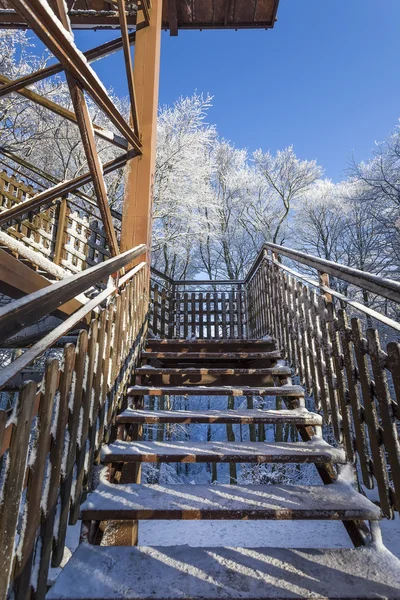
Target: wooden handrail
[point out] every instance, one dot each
(12, 370)
(387, 288)
(28, 310)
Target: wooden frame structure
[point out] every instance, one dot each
(52, 24)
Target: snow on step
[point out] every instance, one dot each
(294, 417)
(315, 451)
(182, 572)
(212, 342)
(203, 390)
(133, 501)
(278, 370)
(274, 354)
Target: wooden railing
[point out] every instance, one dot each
(50, 439)
(65, 238)
(328, 338)
(197, 309)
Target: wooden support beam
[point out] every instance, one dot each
(138, 200)
(65, 187)
(18, 280)
(32, 308)
(90, 55)
(172, 18)
(62, 213)
(61, 111)
(128, 65)
(52, 33)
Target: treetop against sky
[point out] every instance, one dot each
(325, 79)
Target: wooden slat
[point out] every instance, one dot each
(13, 477)
(32, 512)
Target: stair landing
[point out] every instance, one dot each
(182, 572)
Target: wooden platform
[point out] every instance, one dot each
(181, 572)
(245, 452)
(133, 501)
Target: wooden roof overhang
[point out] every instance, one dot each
(177, 14)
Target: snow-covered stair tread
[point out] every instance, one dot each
(209, 342)
(203, 390)
(229, 356)
(294, 417)
(316, 451)
(182, 572)
(133, 501)
(149, 370)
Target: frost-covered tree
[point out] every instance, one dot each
(380, 177)
(319, 221)
(182, 190)
(287, 177)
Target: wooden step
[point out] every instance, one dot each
(192, 371)
(182, 572)
(197, 345)
(214, 356)
(132, 501)
(294, 391)
(315, 451)
(293, 417)
(217, 376)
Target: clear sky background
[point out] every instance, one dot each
(326, 79)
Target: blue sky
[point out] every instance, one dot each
(325, 79)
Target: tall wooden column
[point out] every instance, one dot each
(139, 183)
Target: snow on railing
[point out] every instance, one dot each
(329, 339)
(62, 239)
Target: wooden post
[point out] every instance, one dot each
(324, 282)
(139, 182)
(62, 214)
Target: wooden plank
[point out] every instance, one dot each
(74, 416)
(287, 390)
(192, 502)
(390, 432)
(377, 450)
(32, 511)
(81, 476)
(246, 452)
(349, 346)
(57, 449)
(128, 65)
(293, 417)
(231, 356)
(18, 280)
(13, 478)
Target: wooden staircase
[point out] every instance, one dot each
(102, 569)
